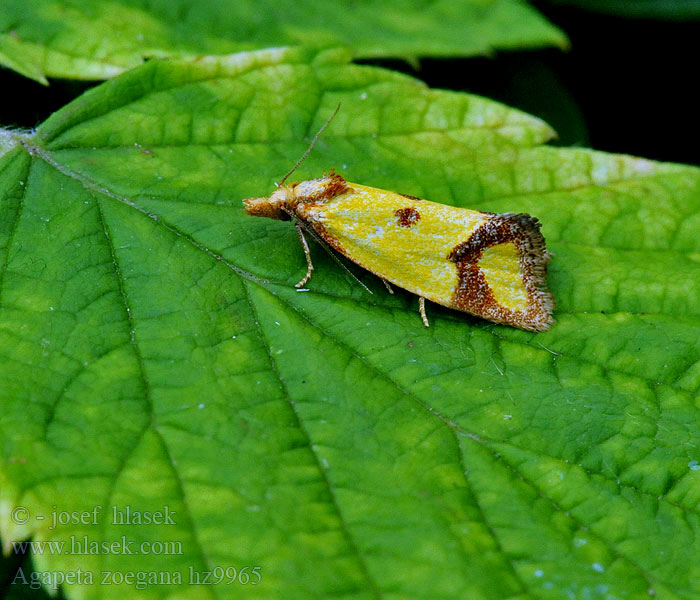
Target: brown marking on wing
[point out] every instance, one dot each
(336, 186)
(473, 293)
(407, 216)
(333, 185)
(411, 197)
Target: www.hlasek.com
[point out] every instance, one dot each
(139, 579)
(84, 545)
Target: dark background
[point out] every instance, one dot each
(626, 84)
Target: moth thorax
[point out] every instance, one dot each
(277, 206)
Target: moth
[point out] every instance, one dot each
(493, 266)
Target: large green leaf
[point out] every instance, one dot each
(95, 39)
(154, 353)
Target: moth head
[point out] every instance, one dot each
(282, 202)
(278, 205)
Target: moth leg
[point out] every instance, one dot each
(300, 224)
(388, 287)
(421, 308)
(305, 246)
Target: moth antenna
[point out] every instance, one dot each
(310, 148)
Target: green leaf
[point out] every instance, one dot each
(94, 39)
(676, 10)
(155, 354)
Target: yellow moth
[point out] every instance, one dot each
(490, 265)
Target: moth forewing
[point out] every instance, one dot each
(490, 265)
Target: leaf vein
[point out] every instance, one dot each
(13, 228)
(147, 395)
(322, 473)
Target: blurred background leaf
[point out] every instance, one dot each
(94, 39)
